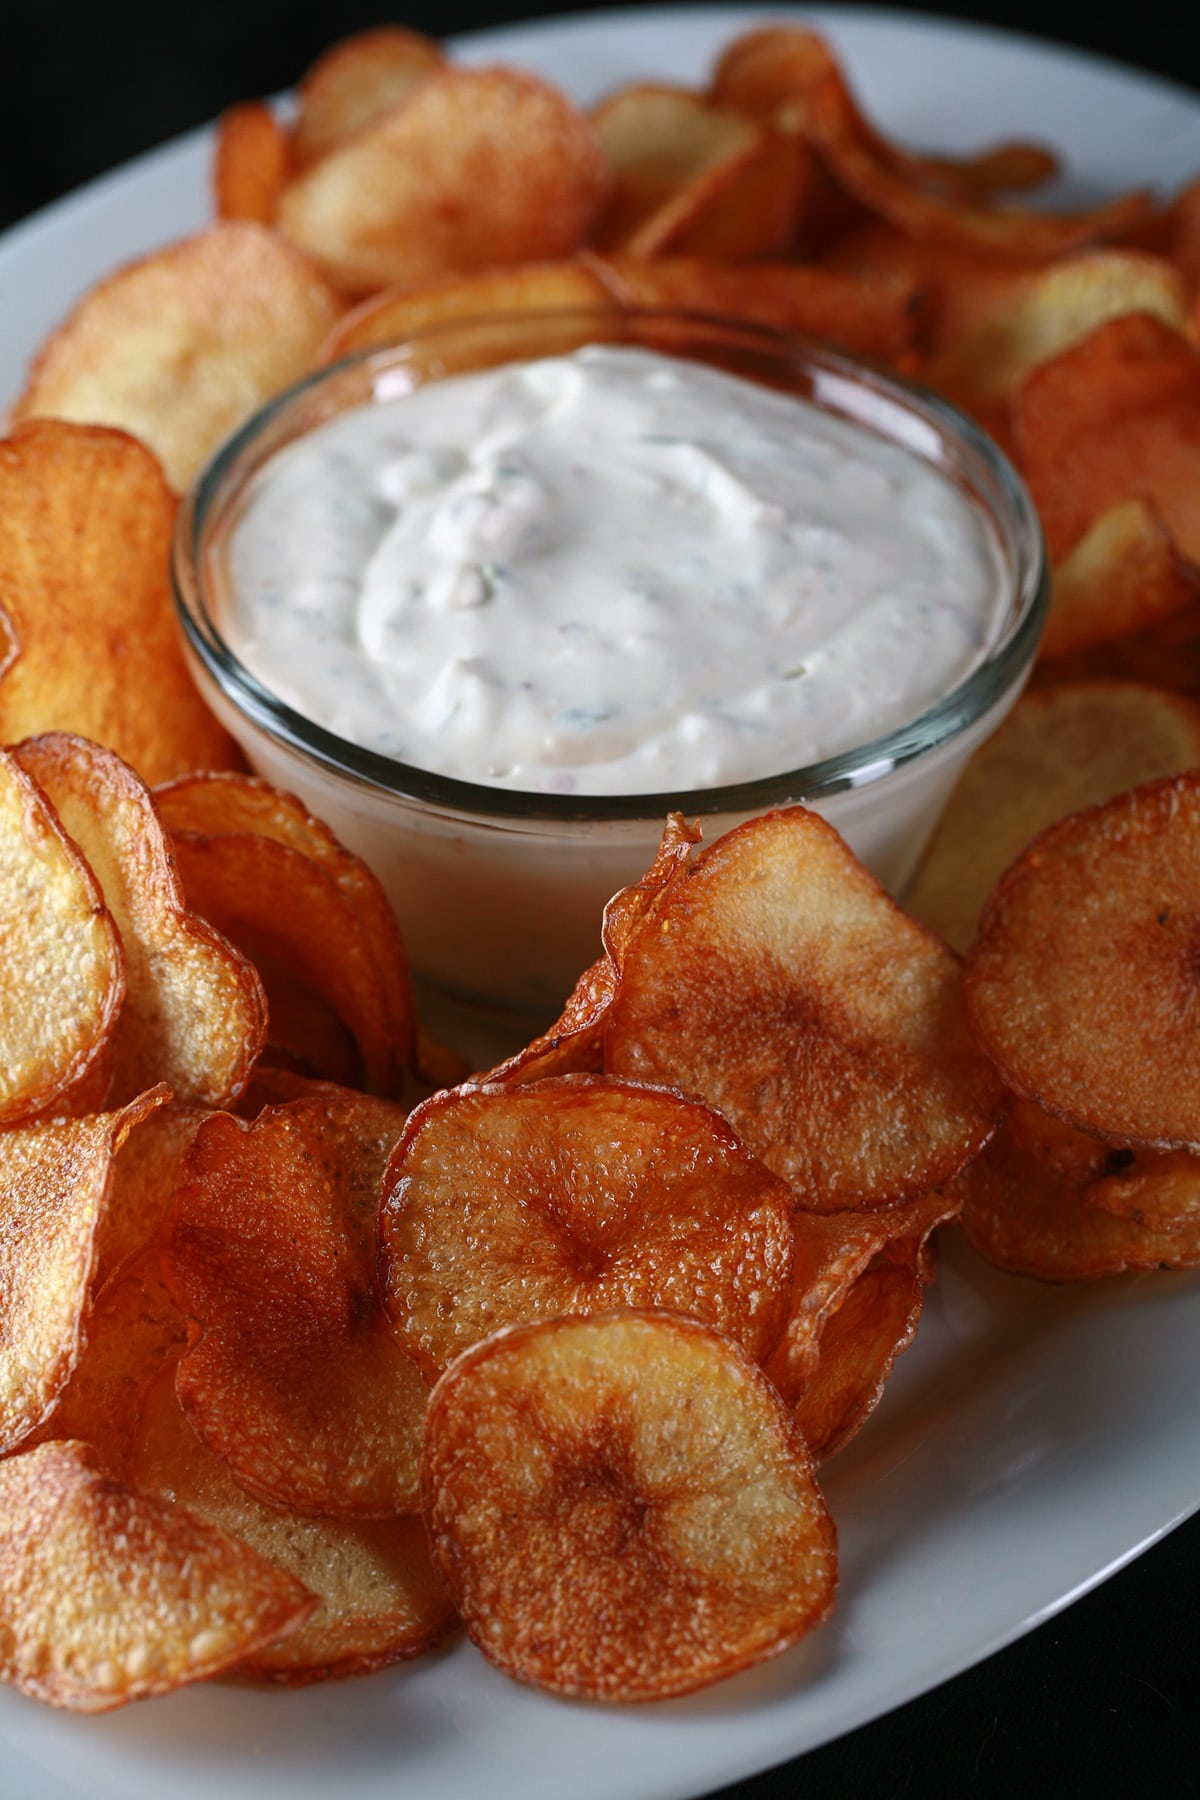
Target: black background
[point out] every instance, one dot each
(1106, 1697)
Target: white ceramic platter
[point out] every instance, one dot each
(1030, 1443)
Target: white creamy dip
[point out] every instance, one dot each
(606, 573)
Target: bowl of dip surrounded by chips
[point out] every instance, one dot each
(498, 598)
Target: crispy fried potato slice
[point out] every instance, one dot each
(876, 1321)
(398, 314)
(194, 1013)
(692, 179)
(85, 602)
(1124, 576)
(1159, 1192)
(180, 348)
(1111, 419)
(574, 1044)
(778, 980)
(55, 1177)
(293, 1376)
(380, 1601)
(577, 1195)
(1028, 1217)
(1083, 984)
(147, 1170)
(107, 1595)
(1165, 654)
(770, 72)
(833, 1253)
(359, 964)
(876, 317)
(1060, 749)
(791, 76)
(355, 82)
(64, 971)
(134, 1333)
(251, 165)
(1057, 307)
(400, 200)
(622, 1508)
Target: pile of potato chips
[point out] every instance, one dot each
(314, 1344)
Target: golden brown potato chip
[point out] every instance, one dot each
(356, 81)
(1124, 576)
(789, 75)
(1051, 310)
(147, 1170)
(1165, 654)
(1028, 1217)
(778, 980)
(622, 1508)
(64, 972)
(1081, 984)
(1060, 749)
(380, 1601)
(135, 1332)
(194, 1013)
(574, 1044)
(1111, 419)
(832, 1373)
(85, 602)
(574, 1196)
(400, 200)
(253, 157)
(180, 348)
(394, 316)
(54, 1184)
(875, 1322)
(770, 73)
(293, 1376)
(875, 317)
(107, 1595)
(692, 179)
(1159, 1192)
(330, 921)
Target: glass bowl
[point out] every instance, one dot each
(500, 893)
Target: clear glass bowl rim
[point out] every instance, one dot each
(996, 486)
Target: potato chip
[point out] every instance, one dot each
(54, 1183)
(622, 1508)
(1081, 985)
(1159, 1192)
(962, 285)
(770, 73)
(64, 971)
(253, 157)
(379, 1600)
(147, 1170)
(294, 1377)
(135, 1333)
(355, 82)
(792, 74)
(1165, 654)
(1057, 307)
(194, 1012)
(180, 348)
(348, 946)
(1123, 576)
(1112, 419)
(399, 201)
(574, 1044)
(879, 318)
(778, 980)
(399, 314)
(577, 1195)
(691, 179)
(831, 1369)
(108, 1596)
(1029, 1218)
(1060, 749)
(85, 602)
